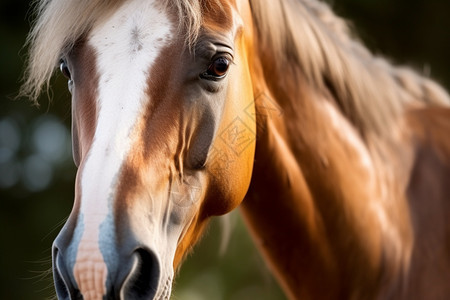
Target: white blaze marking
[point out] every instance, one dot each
(126, 45)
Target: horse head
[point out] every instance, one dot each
(163, 137)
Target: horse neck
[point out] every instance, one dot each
(316, 200)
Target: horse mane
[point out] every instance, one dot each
(370, 92)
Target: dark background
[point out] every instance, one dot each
(37, 173)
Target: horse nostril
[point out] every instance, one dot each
(63, 285)
(142, 283)
(62, 291)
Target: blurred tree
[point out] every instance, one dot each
(36, 191)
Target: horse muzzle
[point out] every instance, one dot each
(84, 275)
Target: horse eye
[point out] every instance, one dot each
(217, 69)
(65, 69)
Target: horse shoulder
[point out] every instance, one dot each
(430, 131)
(429, 200)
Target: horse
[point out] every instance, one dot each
(184, 110)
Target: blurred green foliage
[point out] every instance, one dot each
(36, 190)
